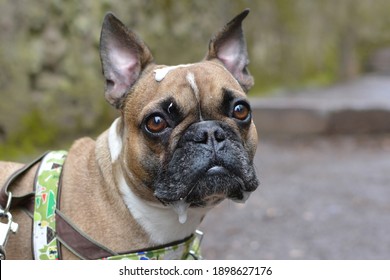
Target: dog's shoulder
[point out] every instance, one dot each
(82, 144)
(81, 147)
(7, 169)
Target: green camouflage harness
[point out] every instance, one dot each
(46, 190)
(46, 240)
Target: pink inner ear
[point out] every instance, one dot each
(124, 72)
(229, 54)
(124, 64)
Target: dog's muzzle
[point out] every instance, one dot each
(208, 165)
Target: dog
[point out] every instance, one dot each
(184, 142)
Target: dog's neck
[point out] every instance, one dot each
(160, 222)
(163, 224)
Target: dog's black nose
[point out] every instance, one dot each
(206, 132)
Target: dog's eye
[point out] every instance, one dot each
(241, 111)
(156, 124)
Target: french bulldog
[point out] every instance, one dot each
(184, 142)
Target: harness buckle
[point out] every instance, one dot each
(6, 227)
(195, 250)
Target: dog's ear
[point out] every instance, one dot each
(229, 47)
(123, 56)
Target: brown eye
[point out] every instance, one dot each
(241, 112)
(156, 124)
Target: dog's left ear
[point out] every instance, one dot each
(229, 47)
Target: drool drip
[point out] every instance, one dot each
(181, 207)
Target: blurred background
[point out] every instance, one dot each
(321, 104)
(49, 54)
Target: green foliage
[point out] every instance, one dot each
(35, 132)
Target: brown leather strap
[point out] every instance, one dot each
(78, 242)
(85, 247)
(22, 200)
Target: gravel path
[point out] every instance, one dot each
(320, 198)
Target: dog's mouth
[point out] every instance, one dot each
(210, 187)
(217, 170)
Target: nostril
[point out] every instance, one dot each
(204, 136)
(201, 137)
(219, 135)
(206, 132)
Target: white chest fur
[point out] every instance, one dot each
(160, 222)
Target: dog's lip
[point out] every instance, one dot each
(245, 196)
(217, 170)
(191, 194)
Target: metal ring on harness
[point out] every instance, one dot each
(8, 205)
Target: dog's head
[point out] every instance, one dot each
(187, 133)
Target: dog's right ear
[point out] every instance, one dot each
(123, 56)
